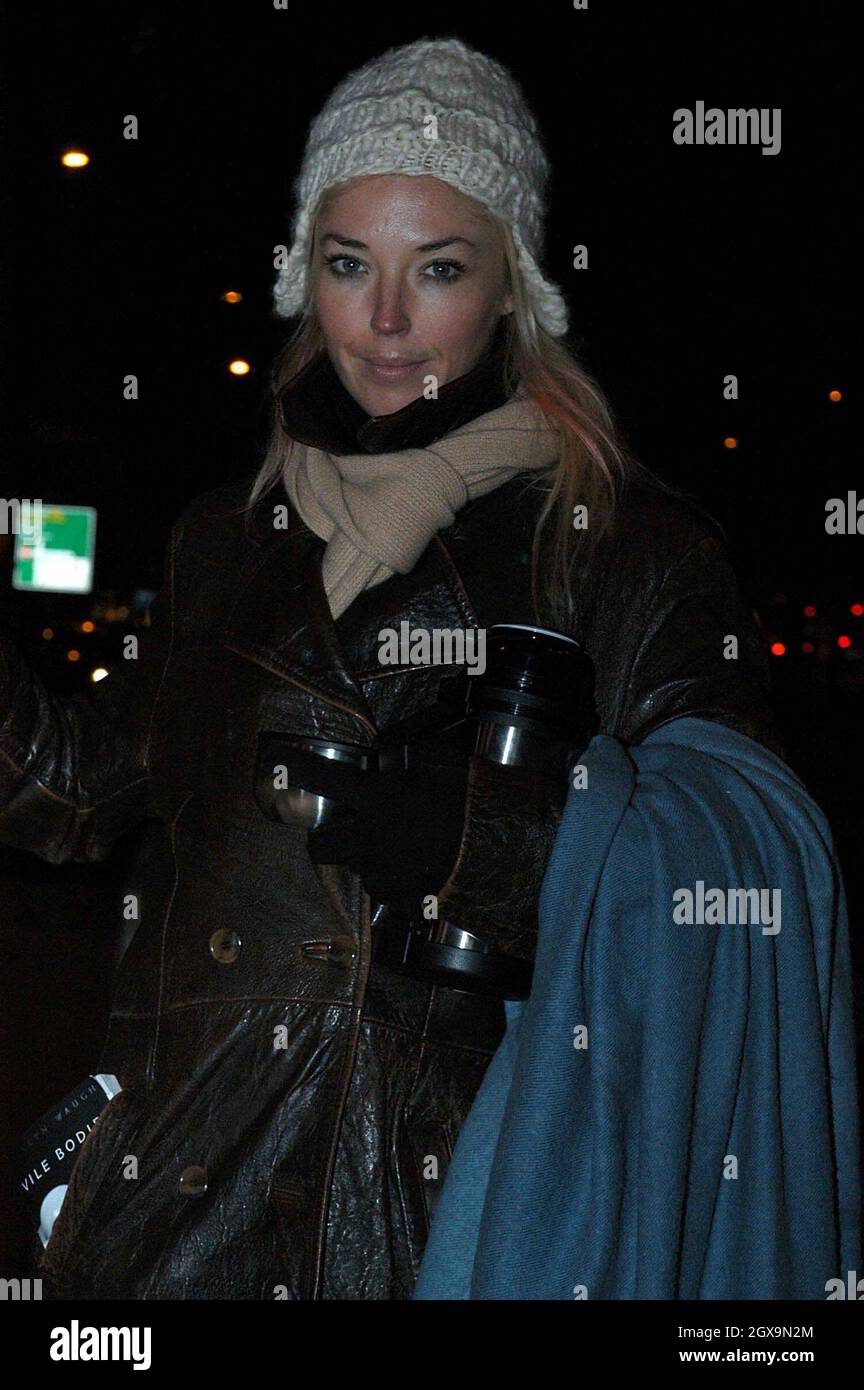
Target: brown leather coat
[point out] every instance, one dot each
(230, 1167)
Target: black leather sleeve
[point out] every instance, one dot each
(700, 653)
(73, 768)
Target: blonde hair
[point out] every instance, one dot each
(593, 466)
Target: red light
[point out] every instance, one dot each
(807, 647)
(778, 649)
(857, 609)
(809, 611)
(844, 641)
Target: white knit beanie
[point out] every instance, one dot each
(487, 144)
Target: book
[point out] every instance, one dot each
(47, 1151)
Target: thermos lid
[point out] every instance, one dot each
(541, 631)
(536, 676)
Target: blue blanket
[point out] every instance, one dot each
(672, 1114)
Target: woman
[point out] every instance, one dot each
(289, 1102)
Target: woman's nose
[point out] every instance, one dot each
(389, 314)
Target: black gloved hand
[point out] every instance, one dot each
(399, 831)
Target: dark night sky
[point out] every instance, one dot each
(703, 261)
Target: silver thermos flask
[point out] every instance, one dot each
(533, 707)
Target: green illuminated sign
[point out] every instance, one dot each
(56, 554)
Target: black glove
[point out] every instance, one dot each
(399, 831)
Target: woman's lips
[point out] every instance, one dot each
(393, 373)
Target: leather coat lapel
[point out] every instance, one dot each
(281, 618)
(430, 596)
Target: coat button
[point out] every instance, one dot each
(193, 1181)
(225, 945)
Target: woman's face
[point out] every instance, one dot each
(410, 274)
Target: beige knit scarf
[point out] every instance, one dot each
(378, 512)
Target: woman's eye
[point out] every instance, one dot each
(332, 261)
(455, 266)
